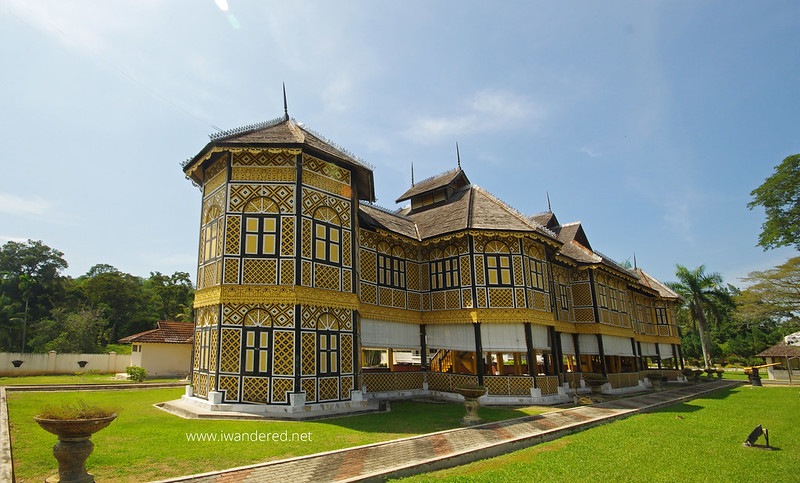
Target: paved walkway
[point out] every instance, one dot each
(418, 454)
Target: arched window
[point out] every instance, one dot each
(327, 245)
(327, 345)
(498, 263)
(444, 268)
(256, 343)
(260, 221)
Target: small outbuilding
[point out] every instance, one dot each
(165, 351)
(787, 354)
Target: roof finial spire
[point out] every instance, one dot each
(285, 105)
(634, 261)
(458, 156)
(549, 210)
(412, 173)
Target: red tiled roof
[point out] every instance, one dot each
(166, 332)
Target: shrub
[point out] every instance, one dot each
(137, 374)
(74, 411)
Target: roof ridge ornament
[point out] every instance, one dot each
(285, 105)
(412, 173)
(549, 210)
(458, 156)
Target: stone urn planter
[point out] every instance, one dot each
(720, 372)
(697, 373)
(471, 395)
(74, 445)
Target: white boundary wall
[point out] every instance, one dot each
(54, 363)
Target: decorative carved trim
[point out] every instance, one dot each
(275, 294)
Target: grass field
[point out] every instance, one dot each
(145, 443)
(696, 441)
(69, 379)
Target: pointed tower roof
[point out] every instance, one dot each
(284, 132)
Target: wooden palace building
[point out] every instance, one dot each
(310, 296)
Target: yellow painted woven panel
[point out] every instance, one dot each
(519, 295)
(326, 276)
(347, 281)
(399, 299)
(328, 388)
(259, 271)
(346, 387)
(309, 354)
(231, 270)
(520, 386)
(256, 157)
(452, 299)
(346, 353)
(287, 236)
(479, 275)
(310, 388)
(466, 296)
(368, 266)
(412, 276)
(581, 294)
(466, 277)
(283, 353)
(230, 350)
(280, 387)
(306, 238)
(255, 389)
(414, 301)
(287, 271)
(500, 297)
(263, 173)
(230, 387)
(540, 302)
(324, 168)
(232, 234)
(368, 294)
(438, 301)
(547, 384)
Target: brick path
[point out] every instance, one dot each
(445, 449)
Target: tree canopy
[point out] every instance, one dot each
(780, 197)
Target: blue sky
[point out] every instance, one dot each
(649, 122)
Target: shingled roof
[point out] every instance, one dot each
(650, 281)
(285, 132)
(455, 177)
(781, 349)
(380, 218)
(166, 332)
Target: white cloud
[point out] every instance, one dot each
(15, 205)
(487, 110)
(5, 239)
(589, 152)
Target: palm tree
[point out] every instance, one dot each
(702, 291)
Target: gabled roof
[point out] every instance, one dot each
(470, 207)
(547, 219)
(453, 178)
(650, 281)
(378, 218)
(285, 132)
(572, 231)
(781, 349)
(166, 332)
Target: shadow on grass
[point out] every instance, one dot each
(413, 417)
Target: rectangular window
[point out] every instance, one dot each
(623, 305)
(612, 298)
(564, 297)
(498, 269)
(328, 354)
(256, 351)
(537, 274)
(444, 274)
(260, 235)
(661, 316)
(602, 299)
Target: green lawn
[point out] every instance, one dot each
(145, 443)
(697, 441)
(69, 379)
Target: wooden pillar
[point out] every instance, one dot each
(602, 355)
(423, 351)
(478, 353)
(517, 363)
(577, 347)
(390, 358)
(635, 359)
(658, 355)
(531, 354)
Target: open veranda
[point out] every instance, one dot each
(695, 441)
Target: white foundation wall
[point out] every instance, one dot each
(55, 363)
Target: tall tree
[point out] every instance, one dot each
(780, 197)
(702, 291)
(773, 298)
(172, 295)
(119, 296)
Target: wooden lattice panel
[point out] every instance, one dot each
(328, 388)
(518, 277)
(231, 271)
(281, 195)
(213, 184)
(256, 157)
(501, 297)
(437, 381)
(283, 353)
(232, 234)
(306, 236)
(584, 315)
(547, 384)
(481, 295)
(412, 276)
(385, 296)
(212, 351)
(466, 276)
(520, 386)
(324, 168)
(287, 236)
(309, 354)
(326, 276)
(368, 266)
(496, 385)
(347, 281)
(306, 273)
(280, 386)
(452, 299)
(287, 272)
(399, 299)
(201, 387)
(464, 380)
(368, 294)
(346, 386)
(309, 386)
(438, 301)
(196, 357)
(414, 301)
(346, 353)
(229, 385)
(230, 350)
(259, 271)
(313, 199)
(466, 296)
(539, 301)
(347, 250)
(581, 294)
(255, 389)
(479, 275)
(379, 381)
(519, 296)
(405, 381)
